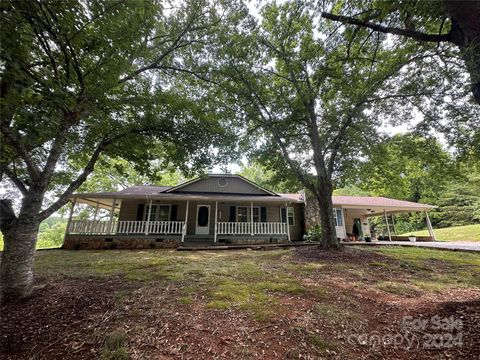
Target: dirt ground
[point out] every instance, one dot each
(355, 304)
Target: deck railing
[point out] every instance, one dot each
(248, 228)
(92, 227)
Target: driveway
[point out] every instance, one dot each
(455, 246)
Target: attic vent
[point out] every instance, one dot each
(222, 182)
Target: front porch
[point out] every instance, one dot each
(138, 223)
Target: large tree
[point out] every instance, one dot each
(82, 79)
(310, 98)
(448, 21)
(408, 167)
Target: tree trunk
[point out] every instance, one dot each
(16, 270)
(465, 32)
(324, 198)
(20, 237)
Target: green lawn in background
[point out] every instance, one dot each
(455, 233)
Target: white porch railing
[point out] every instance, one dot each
(248, 228)
(93, 227)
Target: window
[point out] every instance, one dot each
(163, 212)
(153, 213)
(291, 217)
(158, 213)
(337, 214)
(243, 214)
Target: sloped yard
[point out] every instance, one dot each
(280, 304)
(454, 233)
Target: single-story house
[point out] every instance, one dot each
(216, 209)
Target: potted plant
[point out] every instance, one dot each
(412, 238)
(367, 238)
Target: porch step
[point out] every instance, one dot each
(199, 238)
(186, 247)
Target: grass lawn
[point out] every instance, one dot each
(455, 233)
(278, 304)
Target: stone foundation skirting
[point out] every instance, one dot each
(91, 242)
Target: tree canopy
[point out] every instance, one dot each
(449, 21)
(82, 80)
(310, 99)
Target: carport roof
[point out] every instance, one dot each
(377, 201)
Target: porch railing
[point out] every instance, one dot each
(93, 227)
(248, 228)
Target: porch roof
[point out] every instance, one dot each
(105, 199)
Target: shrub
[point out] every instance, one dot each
(314, 233)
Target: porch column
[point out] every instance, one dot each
(430, 227)
(184, 230)
(112, 212)
(344, 225)
(95, 213)
(388, 226)
(251, 218)
(67, 230)
(147, 224)
(215, 227)
(288, 222)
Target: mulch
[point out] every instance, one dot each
(69, 319)
(63, 319)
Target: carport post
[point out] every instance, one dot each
(388, 226)
(393, 223)
(430, 227)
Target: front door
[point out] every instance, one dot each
(203, 220)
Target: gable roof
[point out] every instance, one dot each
(235, 176)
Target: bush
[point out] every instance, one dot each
(314, 233)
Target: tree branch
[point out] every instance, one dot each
(74, 185)
(22, 151)
(18, 183)
(417, 35)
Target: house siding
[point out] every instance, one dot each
(234, 186)
(128, 212)
(128, 209)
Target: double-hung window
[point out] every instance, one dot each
(158, 213)
(287, 212)
(243, 214)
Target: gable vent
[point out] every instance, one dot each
(222, 182)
